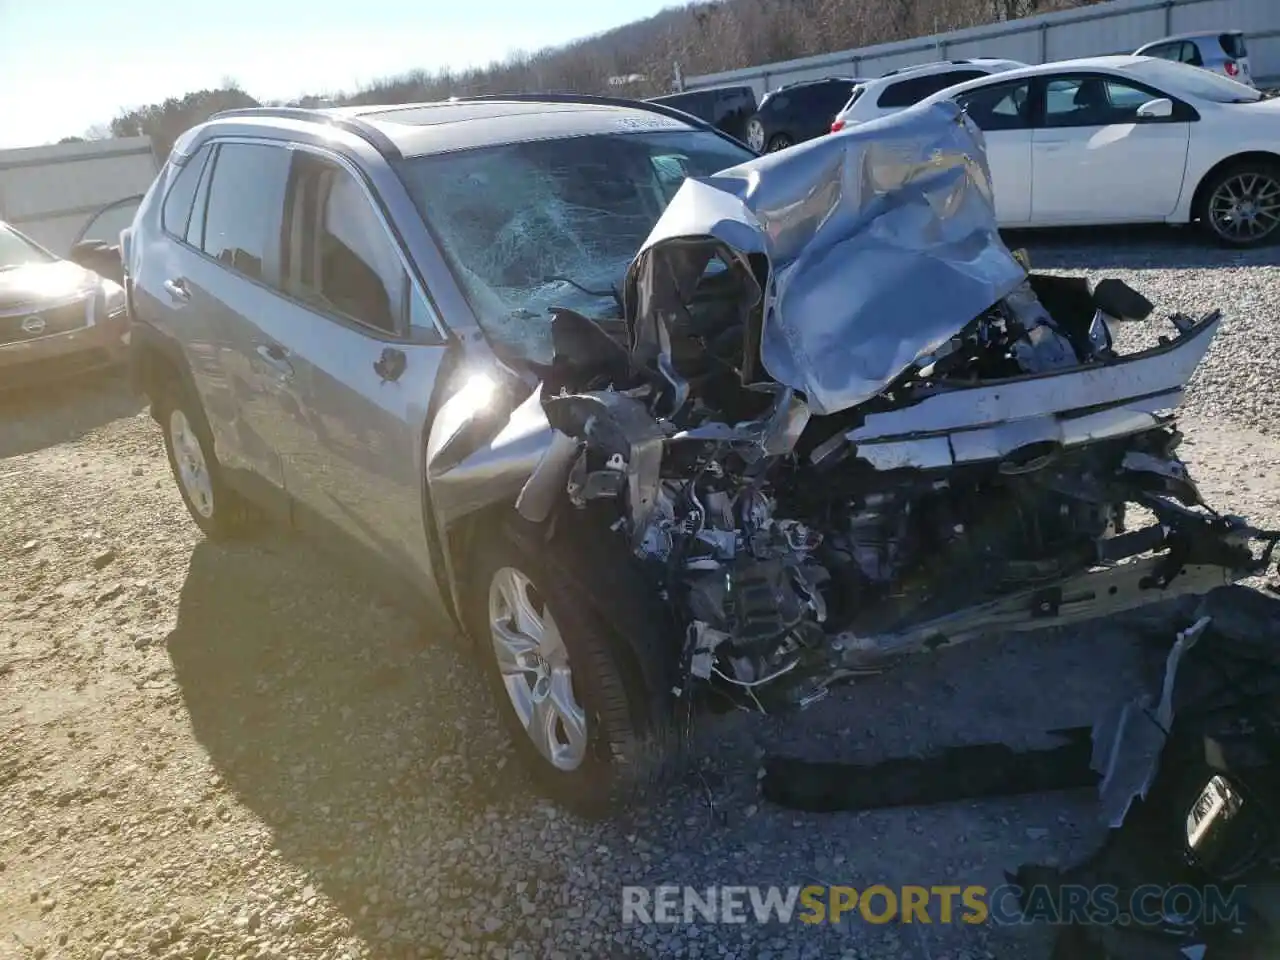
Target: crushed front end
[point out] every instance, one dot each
(848, 425)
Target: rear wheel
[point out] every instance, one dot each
(780, 141)
(1240, 204)
(216, 509)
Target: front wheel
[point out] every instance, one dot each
(1240, 205)
(567, 683)
(755, 135)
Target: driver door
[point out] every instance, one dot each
(1095, 161)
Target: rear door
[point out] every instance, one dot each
(1004, 112)
(365, 348)
(1095, 161)
(247, 380)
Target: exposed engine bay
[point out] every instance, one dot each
(846, 424)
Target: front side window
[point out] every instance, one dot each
(530, 226)
(17, 251)
(341, 259)
(1091, 102)
(999, 106)
(245, 204)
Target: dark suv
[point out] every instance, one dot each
(797, 112)
(725, 108)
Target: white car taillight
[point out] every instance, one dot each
(1232, 68)
(837, 125)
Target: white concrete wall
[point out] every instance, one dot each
(1120, 26)
(50, 192)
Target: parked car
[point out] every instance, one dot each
(510, 350)
(56, 318)
(1225, 53)
(797, 112)
(907, 86)
(725, 108)
(1129, 140)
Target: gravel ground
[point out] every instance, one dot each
(232, 752)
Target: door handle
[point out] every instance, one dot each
(177, 288)
(390, 365)
(276, 357)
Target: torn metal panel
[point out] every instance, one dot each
(1127, 744)
(881, 245)
(1160, 370)
(479, 455)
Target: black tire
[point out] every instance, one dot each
(779, 141)
(1264, 172)
(622, 682)
(227, 516)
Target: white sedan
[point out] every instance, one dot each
(1128, 140)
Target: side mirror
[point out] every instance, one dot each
(1157, 109)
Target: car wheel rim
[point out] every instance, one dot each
(1245, 207)
(779, 143)
(755, 136)
(534, 664)
(193, 472)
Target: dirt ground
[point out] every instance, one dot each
(233, 752)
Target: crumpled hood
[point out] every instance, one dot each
(880, 243)
(38, 283)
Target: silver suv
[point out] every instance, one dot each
(322, 303)
(647, 415)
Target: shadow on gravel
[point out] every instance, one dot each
(34, 418)
(1131, 248)
(357, 744)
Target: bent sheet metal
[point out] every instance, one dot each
(881, 244)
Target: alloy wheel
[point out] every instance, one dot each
(534, 664)
(193, 472)
(755, 136)
(1245, 208)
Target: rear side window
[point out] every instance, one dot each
(1233, 45)
(245, 205)
(176, 212)
(828, 98)
(910, 91)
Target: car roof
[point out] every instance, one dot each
(1193, 35)
(1116, 63)
(942, 66)
(417, 129)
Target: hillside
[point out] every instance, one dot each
(700, 37)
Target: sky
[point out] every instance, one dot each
(66, 65)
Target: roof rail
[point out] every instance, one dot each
(365, 131)
(649, 106)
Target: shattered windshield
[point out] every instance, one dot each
(554, 223)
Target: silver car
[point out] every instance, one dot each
(658, 423)
(1225, 53)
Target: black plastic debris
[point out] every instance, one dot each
(1210, 822)
(956, 773)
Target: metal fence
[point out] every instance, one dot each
(1120, 26)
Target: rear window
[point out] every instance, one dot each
(1233, 45)
(858, 91)
(912, 90)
